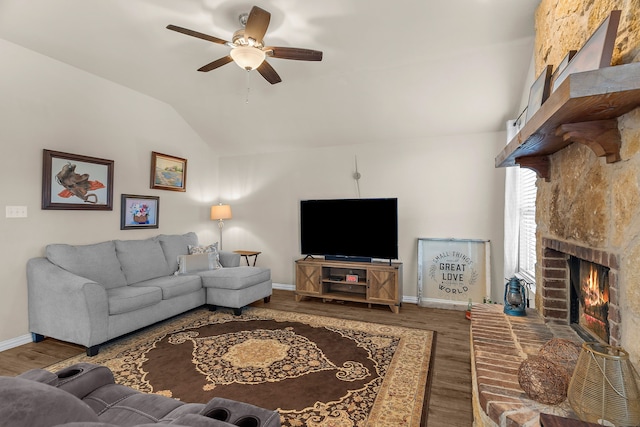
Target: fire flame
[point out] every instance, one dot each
(594, 305)
(594, 296)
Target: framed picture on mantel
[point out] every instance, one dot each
(539, 92)
(596, 52)
(453, 271)
(560, 68)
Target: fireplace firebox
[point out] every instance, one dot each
(564, 269)
(589, 305)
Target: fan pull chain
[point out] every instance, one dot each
(248, 89)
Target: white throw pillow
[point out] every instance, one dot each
(198, 262)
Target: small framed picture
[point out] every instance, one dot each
(596, 52)
(539, 91)
(168, 172)
(560, 68)
(139, 212)
(75, 182)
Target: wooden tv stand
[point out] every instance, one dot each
(376, 283)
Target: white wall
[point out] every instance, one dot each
(47, 104)
(446, 188)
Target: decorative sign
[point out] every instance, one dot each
(453, 270)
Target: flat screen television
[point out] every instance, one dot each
(350, 229)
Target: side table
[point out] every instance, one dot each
(247, 254)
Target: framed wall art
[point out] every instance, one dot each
(168, 172)
(139, 212)
(560, 68)
(596, 52)
(539, 92)
(76, 182)
(453, 271)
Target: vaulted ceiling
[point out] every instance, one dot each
(392, 70)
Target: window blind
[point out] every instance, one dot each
(527, 223)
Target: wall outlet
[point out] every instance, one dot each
(16, 211)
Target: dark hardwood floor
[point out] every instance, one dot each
(450, 401)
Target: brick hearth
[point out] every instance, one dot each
(499, 343)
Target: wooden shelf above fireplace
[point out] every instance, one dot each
(584, 109)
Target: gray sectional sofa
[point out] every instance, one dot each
(90, 294)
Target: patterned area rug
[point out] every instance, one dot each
(315, 371)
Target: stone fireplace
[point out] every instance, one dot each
(588, 225)
(589, 209)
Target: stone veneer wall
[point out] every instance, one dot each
(587, 202)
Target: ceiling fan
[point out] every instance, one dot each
(248, 49)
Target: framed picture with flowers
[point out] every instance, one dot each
(139, 212)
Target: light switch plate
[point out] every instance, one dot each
(16, 211)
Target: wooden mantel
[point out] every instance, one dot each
(583, 109)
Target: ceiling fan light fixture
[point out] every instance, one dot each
(247, 57)
(248, 49)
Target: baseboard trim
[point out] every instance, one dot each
(283, 287)
(15, 342)
(410, 300)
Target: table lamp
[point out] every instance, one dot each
(604, 388)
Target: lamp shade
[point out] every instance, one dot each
(220, 212)
(247, 57)
(603, 388)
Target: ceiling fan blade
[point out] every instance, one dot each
(196, 34)
(267, 71)
(293, 53)
(257, 24)
(216, 64)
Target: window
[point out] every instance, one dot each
(526, 264)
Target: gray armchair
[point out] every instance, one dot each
(85, 395)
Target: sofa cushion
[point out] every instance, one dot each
(235, 278)
(174, 245)
(26, 403)
(142, 259)
(136, 408)
(187, 408)
(198, 262)
(97, 262)
(229, 259)
(130, 298)
(173, 286)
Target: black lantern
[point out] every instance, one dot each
(515, 298)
